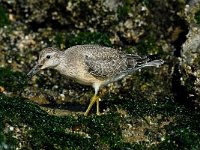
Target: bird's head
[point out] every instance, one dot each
(48, 58)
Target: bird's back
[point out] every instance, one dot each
(104, 63)
(95, 51)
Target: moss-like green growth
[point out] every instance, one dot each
(12, 81)
(39, 130)
(105, 128)
(124, 9)
(189, 83)
(146, 2)
(184, 134)
(62, 39)
(59, 39)
(47, 83)
(88, 38)
(24, 122)
(3, 17)
(148, 45)
(146, 92)
(197, 17)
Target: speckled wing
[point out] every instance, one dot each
(104, 62)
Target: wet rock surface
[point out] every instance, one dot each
(156, 108)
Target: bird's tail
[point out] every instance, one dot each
(137, 62)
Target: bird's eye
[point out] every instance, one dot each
(48, 56)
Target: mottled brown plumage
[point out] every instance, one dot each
(92, 65)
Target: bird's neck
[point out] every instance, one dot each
(61, 66)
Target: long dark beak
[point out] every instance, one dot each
(34, 70)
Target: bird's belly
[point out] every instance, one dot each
(84, 82)
(85, 79)
(82, 79)
(78, 74)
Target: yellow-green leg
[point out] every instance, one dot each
(97, 101)
(94, 99)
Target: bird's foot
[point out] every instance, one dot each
(94, 99)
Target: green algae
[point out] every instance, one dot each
(4, 17)
(66, 40)
(38, 129)
(13, 81)
(88, 38)
(59, 39)
(146, 2)
(184, 133)
(45, 131)
(124, 9)
(197, 17)
(105, 128)
(148, 45)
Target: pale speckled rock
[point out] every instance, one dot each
(191, 47)
(191, 51)
(112, 4)
(190, 9)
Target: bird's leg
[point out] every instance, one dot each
(101, 93)
(97, 101)
(94, 99)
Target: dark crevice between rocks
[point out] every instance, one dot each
(181, 37)
(48, 23)
(180, 91)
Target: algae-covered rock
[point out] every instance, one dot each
(160, 124)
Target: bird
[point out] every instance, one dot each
(92, 65)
